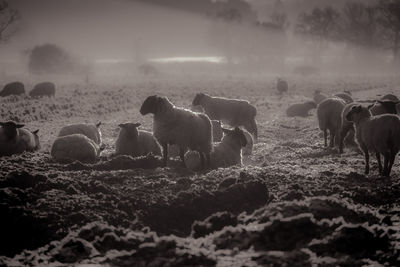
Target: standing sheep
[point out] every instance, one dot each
(173, 125)
(329, 114)
(134, 142)
(75, 147)
(379, 134)
(383, 107)
(281, 86)
(346, 97)
(319, 96)
(301, 109)
(14, 88)
(216, 125)
(233, 112)
(43, 89)
(91, 131)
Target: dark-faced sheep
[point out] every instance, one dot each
(185, 128)
(43, 89)
(234, 112)
(134, 142)
(9, 137)
(14, 88)
(378, 134)
(383, 107)
(329, 113)
(301, 109)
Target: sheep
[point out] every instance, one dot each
(9, 137)
(134, 142)
(346, 97)
(383, 107)
(226, 153)
(329, 113)
(216, 125)
(91, 131)
(379, 134)
(75, 147)
(43, 89)
(234, 112)
(281, 86)
(173, 125)
(14, 88)
(28, 141)
(301, 109)
(319, 97)
(390, 97)
(346, 125)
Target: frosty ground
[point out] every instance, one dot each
(293, 202)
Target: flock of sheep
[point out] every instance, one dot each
(197, 135)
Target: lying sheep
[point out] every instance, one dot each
(28, 141)
(282, 86)
(300, 110)
(91, 131)
(134, 142)
(14, 88)
(383, 107)
(173, 125)
(226, 153)
(216, 125)
(329, 114)
(379, 134)
(9, 137)
(319, 97)
(233, 112)
(43, 89)
(75, 147)
(346, 97)
(390, 97)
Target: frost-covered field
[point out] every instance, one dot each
(293, 202)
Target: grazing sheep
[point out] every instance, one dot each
(346, 97)
(43, 89)
(216, 125)
(319, 96)
(329, 114)
(134, 142)
(233, 112)
(383, 107)
(75, 147)
(248, 149)
(9, 137)
(379, 134)
(301, 109)
(14, 88)
(91, 131)
(390, 97)
(226, 153)
(282, 86)
(173, 125)
(346, 125)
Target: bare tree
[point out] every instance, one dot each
(8, 19)
(390, 20)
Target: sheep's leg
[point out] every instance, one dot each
(326, 137)
(366, 155)
(332, 135)
(378, 158)
(386, 159)
(392, 157)
(343, 134)
(208, 159)
(165, 154)
(182, 155)
(202, 159)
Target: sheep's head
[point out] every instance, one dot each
(155, 104)
(357, 113)
(131, 129)
(236, 134)
(311, 104)
(37, 142)
(10, 129)
(390, 106)
(198, 99)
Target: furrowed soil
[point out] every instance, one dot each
(293, 202)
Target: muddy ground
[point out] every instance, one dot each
(293, 201)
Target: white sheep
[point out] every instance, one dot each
(75, 147)
(319, 97)
(234, 112)
(383, 107)
(378, 134)
(134, 142)
(301, 109)
(226, 153)
(329, 113)
(173, 125)
(345, 96)
(91, 131)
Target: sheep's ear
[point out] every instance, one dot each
(123, 125)
(226, 131)
(136, 124)
(98, 124)
(19, 125)
(35, 132)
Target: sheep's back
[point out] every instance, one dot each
(382, 134)
(74, 147)
(148, 143)
(329, 113)
(89, 130)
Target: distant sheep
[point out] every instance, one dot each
(75, 147)
(346, 97)
(173, 125)
(92, 131)
(390, 97)
(226, 153)
(234, 112)
(14, 88)
(216, 125)
(329, 113)
(319, 97)
(383, 107)
(282, 86)
(378, 134)
(301, 109)
(43, 89)
(134, 142)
